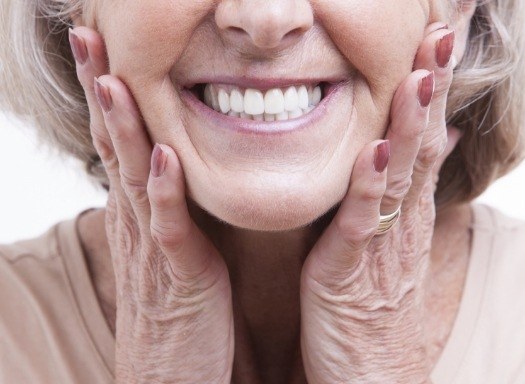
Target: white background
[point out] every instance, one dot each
(39, 188)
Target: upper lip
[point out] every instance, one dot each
(262, 83)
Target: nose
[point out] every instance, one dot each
(264, 24)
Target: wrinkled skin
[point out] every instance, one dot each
(361, 296)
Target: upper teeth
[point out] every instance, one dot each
(274, 104)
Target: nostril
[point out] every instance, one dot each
(296, 33)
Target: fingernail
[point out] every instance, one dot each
(78, 47)
(426, 90)
(159, 160)
(444, 48)
(103, 96)
(382, 156)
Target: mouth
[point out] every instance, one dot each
(261, 104)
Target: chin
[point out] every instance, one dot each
(274, 209)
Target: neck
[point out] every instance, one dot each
(265, 270)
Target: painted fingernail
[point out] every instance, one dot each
(382, 156)
(103, 96)
(159, 160)
(78, 47)
(426, 90)
(444, 48)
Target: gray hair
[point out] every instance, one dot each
(38, 83)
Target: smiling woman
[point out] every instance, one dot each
(289, 191)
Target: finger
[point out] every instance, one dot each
(409, 119)
(340, 248)
(130, 141)
(89, 52)
(172, 228)
(435, 54)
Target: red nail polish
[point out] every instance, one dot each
(78, 47)
(444, 48)
(426, 90)
(103, 96)
(382, 156)
(159, 160)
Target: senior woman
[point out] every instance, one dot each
(271, 168)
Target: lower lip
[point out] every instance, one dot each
(246, 126)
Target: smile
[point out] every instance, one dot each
(276, 104)
(262, 106)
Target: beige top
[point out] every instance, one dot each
(52, 329)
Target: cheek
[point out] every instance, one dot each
(150, 36)
(379, 38)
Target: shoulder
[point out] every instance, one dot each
(41, 248)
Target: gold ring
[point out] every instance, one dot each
(386, 222)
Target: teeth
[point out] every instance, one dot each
(316, 96)
(303, 97)
(294, 114)
(224, 101)
(211, 97)
(291, 99)
(273, 105)
(237, 101)
(253, 102)
(274, 101)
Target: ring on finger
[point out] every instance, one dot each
(386, 222)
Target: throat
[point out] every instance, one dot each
(265, 274)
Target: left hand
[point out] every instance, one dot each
(362, 296)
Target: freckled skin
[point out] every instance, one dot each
(276, 184)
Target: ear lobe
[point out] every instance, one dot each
(463, 15)
(453, 137)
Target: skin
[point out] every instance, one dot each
(260, 267)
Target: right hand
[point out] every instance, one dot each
(174, 302)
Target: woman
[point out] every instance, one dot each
(271, 169)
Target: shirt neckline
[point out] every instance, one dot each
(461, 336)
(84, 291)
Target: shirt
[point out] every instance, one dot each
(52, 329)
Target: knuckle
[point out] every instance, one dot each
(430, 151)
(135, 190)
(398, 187)
(371, 192)
(162, 198)
(169, 236)
(355, 236)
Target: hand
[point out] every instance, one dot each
(361, 294)
(174, 306)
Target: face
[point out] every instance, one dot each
(182, 60)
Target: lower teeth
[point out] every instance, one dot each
(272, 117)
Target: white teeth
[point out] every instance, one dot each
(282, 116)
(291, 99)
(302, 92)
(253, 102)
(274, 101)
(273, 105)
(294, 114)
(224, 101)
(316, 96)
(237, 101)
